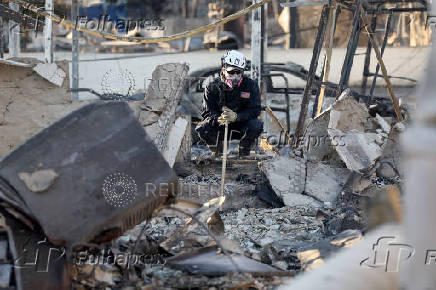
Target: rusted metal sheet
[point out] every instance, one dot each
(88, 177)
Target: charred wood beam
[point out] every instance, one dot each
(313, 65)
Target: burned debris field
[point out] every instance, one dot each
(217, 145)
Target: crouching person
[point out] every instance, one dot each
(235, 99)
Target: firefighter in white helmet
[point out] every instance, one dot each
(233, 98)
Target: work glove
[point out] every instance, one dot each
(228, 116)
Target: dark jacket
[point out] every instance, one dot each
(244, 100)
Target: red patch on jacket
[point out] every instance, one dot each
(245, 95)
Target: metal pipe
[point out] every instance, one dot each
(48, 36)
(312, 69)
(377, 68)
(368, 57)
(351, 48)
(75, 53)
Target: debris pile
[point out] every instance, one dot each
(157, 113)
(343, 149)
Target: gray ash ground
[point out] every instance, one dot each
(270, 235)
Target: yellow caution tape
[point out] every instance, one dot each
(70, 25)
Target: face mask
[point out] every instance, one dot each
(233, 80)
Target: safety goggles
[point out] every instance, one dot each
(234, 71)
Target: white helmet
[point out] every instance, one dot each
(233, 58)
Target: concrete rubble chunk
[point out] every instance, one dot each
(175, 138)
(359, 150)
(316, 142)
(392, 152)
(325, 182)
(287, 177)
(386, 170)
(155, 105)
(51, 72)
(383, 124)
(163, 97)
(361, 137)
(147, 118)
(347, 114)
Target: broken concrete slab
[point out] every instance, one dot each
(147, 118)
(384, 125)
(386, 170)
(163, 96)
(286, 177)
(155, 105)
(51, 72)
(175, 137)
(316, 142)
(392, 150)
(359, 150)
(28, 103)
(347, 114)
(325, 182)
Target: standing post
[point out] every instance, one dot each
(14, 33)
(368, 57)
(312, 70)
(394, 100)
(293, 17)
(377, 68)
(256, 45)
(75, 52)
(351, 48)
(48, 36)
(329, 47)
(1, 36)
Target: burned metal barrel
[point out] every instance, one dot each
(88, 177)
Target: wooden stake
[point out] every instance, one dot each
(394, 100)
(223, 169)
(329, 46)
(277, 121)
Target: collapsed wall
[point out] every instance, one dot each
(29, 102)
